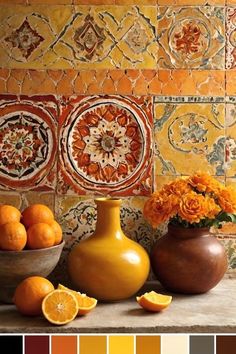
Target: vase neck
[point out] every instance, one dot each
(108, 218)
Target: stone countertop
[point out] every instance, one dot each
(213, 312)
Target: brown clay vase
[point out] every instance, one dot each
(188, 261)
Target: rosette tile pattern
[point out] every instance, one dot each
(105, 146)
(28, 143)
(191, 37)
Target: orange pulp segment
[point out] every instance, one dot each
(86, 303)
(60, 307)
(153, 301)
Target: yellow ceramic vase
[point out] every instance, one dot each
(108, 265)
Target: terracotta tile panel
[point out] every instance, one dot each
(189, 135)
(181, 49)
(106, 146)
(230, 38)
(230, 142)
(28, 142)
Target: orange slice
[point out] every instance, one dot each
(153, 301)
(86, 303)
(60, 307)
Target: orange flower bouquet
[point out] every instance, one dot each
(193, 202)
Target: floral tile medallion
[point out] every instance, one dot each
(191, 37)
(189, 137)
(27, 142)
(231, 38)
(105, 146)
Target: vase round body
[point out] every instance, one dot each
(188, 261)
(108, 265)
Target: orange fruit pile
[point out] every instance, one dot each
(154, 302)
(35, 228)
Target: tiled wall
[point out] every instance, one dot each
(114, 97)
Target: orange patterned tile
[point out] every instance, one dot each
(231, 82)
(124, 85)
(136, 2)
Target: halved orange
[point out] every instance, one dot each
(60, 307)
(86, 303)
(153, 301)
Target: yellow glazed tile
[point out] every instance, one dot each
(40, 25)
(230, 144)
(191, 37)
(103, 37)
(121, 344)
(189, 136)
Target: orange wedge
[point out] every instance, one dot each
(153, 301)
(86, 303)
(60, 307)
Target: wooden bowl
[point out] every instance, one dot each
(16, 266)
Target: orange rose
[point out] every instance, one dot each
(158, 209)
(212, 208)
(192, 207)
(203, 182)
(226, 198)
(178, 187)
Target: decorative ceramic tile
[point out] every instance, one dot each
(28, 133)
(105, 146)
(109, 36)
(28, 34)
(189, 137)
(230, 38)
(191, 37)
(77, 216)
(230, 146)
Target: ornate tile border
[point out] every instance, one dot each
(28, 142)
(117, 82)
(106, 146)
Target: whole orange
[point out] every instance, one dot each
(57, 231)
(30, 293)
(40, 235)
(36, 213)
(9, 213)
(13, 236)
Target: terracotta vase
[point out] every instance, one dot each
(188, 261)
(108, 265)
